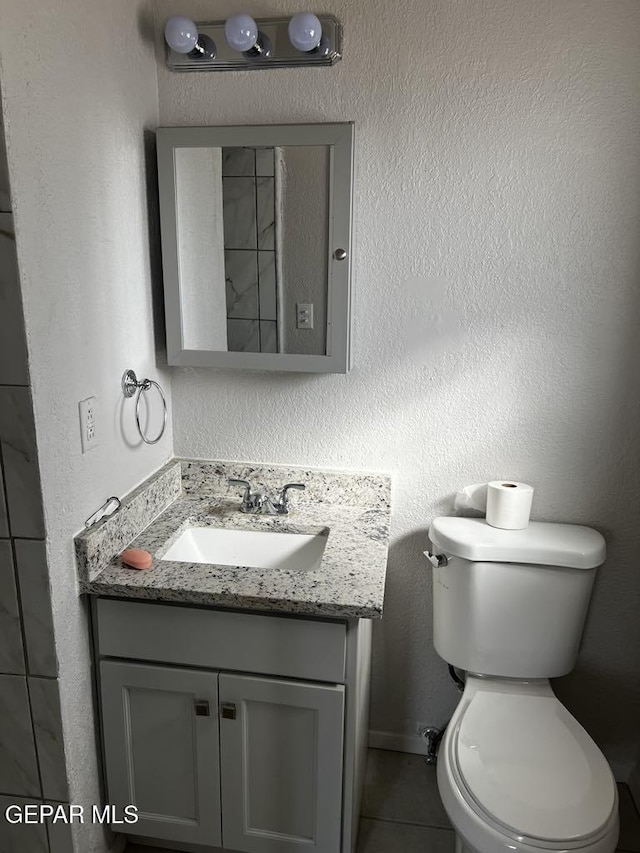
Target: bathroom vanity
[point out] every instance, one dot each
(234, 699)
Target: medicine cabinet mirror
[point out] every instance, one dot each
(256, 245)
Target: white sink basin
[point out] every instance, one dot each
(250, 548)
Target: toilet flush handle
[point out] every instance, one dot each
(437, 560)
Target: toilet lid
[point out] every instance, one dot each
(533, 768)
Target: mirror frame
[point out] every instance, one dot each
(340, 138)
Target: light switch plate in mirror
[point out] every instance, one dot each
(255, 221)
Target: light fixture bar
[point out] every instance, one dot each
(283, 53)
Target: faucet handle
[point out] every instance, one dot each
(300, 486)
(251, 501)
(284, 497)
(245, 484)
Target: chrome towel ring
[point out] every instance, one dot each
(129, 386)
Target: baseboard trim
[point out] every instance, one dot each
(397, 743)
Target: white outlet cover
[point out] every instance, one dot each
(88, 424)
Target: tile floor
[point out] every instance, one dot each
(402, 812)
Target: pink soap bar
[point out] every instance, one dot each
(136, 558)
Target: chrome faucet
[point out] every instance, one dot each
(283, 504)
(255, 502)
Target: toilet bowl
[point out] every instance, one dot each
(516, 771)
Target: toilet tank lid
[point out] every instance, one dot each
(541, 543)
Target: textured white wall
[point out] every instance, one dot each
(497, 265)
(79, 87)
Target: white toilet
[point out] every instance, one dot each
(516, 772)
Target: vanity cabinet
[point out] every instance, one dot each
(262, 760)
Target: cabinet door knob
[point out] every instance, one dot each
(202, 708)
(228, 711)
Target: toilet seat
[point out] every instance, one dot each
(530, 770)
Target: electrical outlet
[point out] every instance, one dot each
(304, 315)
(88, 426)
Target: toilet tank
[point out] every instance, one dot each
(512, 603)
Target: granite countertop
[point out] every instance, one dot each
(349, 582)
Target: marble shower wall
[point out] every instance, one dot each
(32, 762)
(249, 202)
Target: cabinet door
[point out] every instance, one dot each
(281, 757)
(161, 749)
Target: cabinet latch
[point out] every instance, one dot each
(228, 711)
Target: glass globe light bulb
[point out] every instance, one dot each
(305, 31)
(241, 32)
(181, 34)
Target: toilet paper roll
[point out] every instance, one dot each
(472, 500)
(509, 504)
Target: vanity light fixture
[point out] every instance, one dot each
(182, 36)
(305, 33)
(242, 43)
(243, 35)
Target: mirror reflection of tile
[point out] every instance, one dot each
(250, 244)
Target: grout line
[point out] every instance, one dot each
(31, 538)
(47, 830)
(28, 675)
(36, 797)
(406, 823)
(35, 741)
(27, 665)
(5, 493)
(45, 678)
